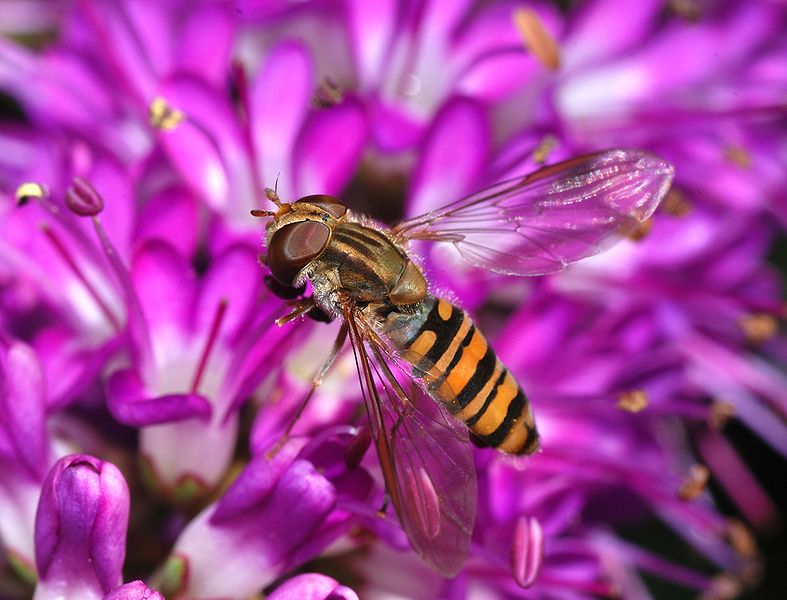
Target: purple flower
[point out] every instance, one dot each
(25, 451)
(81, 529)
(135, 590)
(208, 343)
(312, 586)
(279, 513)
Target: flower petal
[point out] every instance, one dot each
(81, 527)
(312, 586)
(329, 148)
(235, 277)
(275, 123)
(453, 157)
(166, 287)
(135, 590)
(130, 403)
(22, 410)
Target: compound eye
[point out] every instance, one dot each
(294, 246)
(333, 206)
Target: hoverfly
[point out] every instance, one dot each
(427, 374)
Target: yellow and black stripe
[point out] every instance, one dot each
(465, 374)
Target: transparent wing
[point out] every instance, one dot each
(425, 455)
(539, 223)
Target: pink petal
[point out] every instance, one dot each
(392, 128)
(172, 215)
(165, 285)
(329, 148)
(584, 45)
(130, 403)
(275, 122)
(371, 26)
(453, 157)
(236, 278)
(206, 42)
(208, 147)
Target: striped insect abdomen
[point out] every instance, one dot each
(459, 368)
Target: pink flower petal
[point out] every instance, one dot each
(453, 157)
(165, 285)
(279, 99)
(329, 148)
(236, 278)
(130, 403)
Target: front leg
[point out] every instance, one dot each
(299, 308)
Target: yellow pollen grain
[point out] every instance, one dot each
(724, 586)
(720, 413)
(686, 9)
(759, 327)
(640, 231)
(741, 539)
(545, 147)
(328, 94)
(29, 190)
(633, 401)
(675, 203)
(163, 116)
(694, 483)
(536, 38)
(738, 156)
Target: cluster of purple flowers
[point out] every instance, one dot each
(143, 382)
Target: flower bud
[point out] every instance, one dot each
(80, 530)
(135, 590)
(25, 452)
(528, 551)
(312, 586)
(83, 199)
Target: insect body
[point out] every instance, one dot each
(460, 369)
(426, 372)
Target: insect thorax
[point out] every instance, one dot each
(363, 264)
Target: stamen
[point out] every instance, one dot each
(212, 335)
(741, 539)
(723, 587)
(527, 553)
(30, 191)
(83, 199)
(633, 401)
(695, 482)
(545, 147)
(675, 203)
(163, 116)
(69, 260)
(720, 414)
(640, 231)
(328, 94)
(738, 156)
(759, 327)
(241, 81)
(686, 9)
(136, 321)
(536, 38)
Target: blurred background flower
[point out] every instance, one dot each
(136, 329)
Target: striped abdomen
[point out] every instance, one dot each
(461, 370)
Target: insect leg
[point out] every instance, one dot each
(300, 307)
(316, 381)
